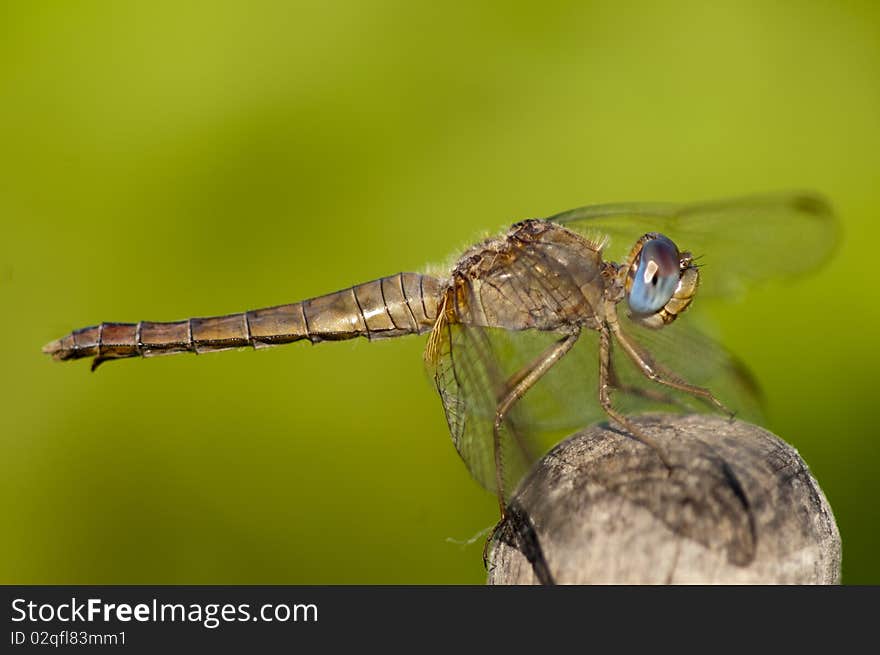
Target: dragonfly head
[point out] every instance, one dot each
(660, 281)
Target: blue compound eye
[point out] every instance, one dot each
(656, 276)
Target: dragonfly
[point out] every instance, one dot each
(557, 323)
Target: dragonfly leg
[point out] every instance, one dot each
(489, 539)
(520, 383)
(518, 531)
(605, 386)
(633, 390)
(658, 374)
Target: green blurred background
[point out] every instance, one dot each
(166, 159)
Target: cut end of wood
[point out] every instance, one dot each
(739, 506)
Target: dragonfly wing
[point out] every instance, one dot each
(473, 367)
(470, 383)
(685, 352)
(739, 241)
(565, 397)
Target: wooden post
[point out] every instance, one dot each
(739, 507)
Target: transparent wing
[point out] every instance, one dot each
(685, 352)
(739, 241)
(472, 366)
(566, 397)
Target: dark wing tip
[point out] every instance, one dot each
(812, 203)
(817, 209)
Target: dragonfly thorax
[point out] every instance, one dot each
(538, 275)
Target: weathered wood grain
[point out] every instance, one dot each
(739, 507)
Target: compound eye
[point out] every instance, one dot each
(657, 272)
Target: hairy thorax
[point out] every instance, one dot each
(538, 276)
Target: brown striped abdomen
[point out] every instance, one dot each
(392, 306)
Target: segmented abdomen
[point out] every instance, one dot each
(392, 306)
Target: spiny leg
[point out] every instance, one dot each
(521, 382)
(517, 385)
(504, 388)
(658, 374)
(607, 405)
(640, 392)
